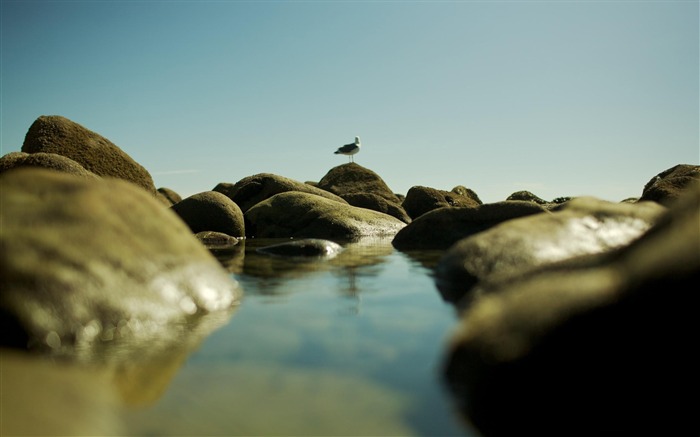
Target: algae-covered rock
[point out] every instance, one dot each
(251, 190)
(668, 185)
(443, 227)
(59, 135)
(362, 187)
(49, 161)
(304, 215)
(211, 211)
(420, 200)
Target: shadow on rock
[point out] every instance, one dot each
(607, 344)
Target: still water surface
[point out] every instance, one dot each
(351, 345)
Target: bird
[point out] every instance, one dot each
(349, 149)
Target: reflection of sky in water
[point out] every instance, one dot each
(344, 349)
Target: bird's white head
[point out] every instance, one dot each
(357, 140)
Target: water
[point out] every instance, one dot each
(352, 345)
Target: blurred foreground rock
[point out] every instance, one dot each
(90, 264)
(609, 343)
(583, 226)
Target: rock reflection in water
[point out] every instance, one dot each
(99, 383)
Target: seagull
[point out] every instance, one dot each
(349, 149)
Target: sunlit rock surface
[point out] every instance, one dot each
(363, 188)
(420, 200)
(608, 344)
(49, 161)
(59, 135)
(668, 185)
(441, 228)
(303, 215)
(582, 226)
(92, 264)
(211, 211)
(252, 190)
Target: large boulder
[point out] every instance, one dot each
(252, 190)
(668, 185)
(420, 200)
(304, 215)
(59, 135)
(49, 161)
(364, 188)
(608, 345)
(211, 211)
(441, 228)
(582, 226)
(92, 264)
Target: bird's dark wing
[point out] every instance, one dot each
(347, 148)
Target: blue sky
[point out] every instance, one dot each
(556, 97)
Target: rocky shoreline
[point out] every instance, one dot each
(572, 311)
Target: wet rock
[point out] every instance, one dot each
(527, 197)
(59, 135)
(211, 211)
(668, 185)
(217, 241)
(170, 195)
(583, 226)
(467, 192)
(49, 161)
(308, 247)
(420, 200)
(364, 188)
(254, 189)
(608, 345)
(441, 228)
(302, 215)
(87, 264)
(377, 203)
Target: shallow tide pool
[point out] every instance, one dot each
(349, 345)
(346, 346)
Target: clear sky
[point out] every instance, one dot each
(560, 98)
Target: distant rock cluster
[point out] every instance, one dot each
(574, 311)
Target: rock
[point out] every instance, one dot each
(302, 215)
(59, 135)
(668, 185)
(89, 264)
(610, 345)
(377, 203)
(49, 161)
(358, 184)
(583, 226)
(527, 196)
(305, 248)
(171, 196)
(252, 190)
(441, 228)
(467, 192)
(211, 211)
(217, 241)
(420, 200)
